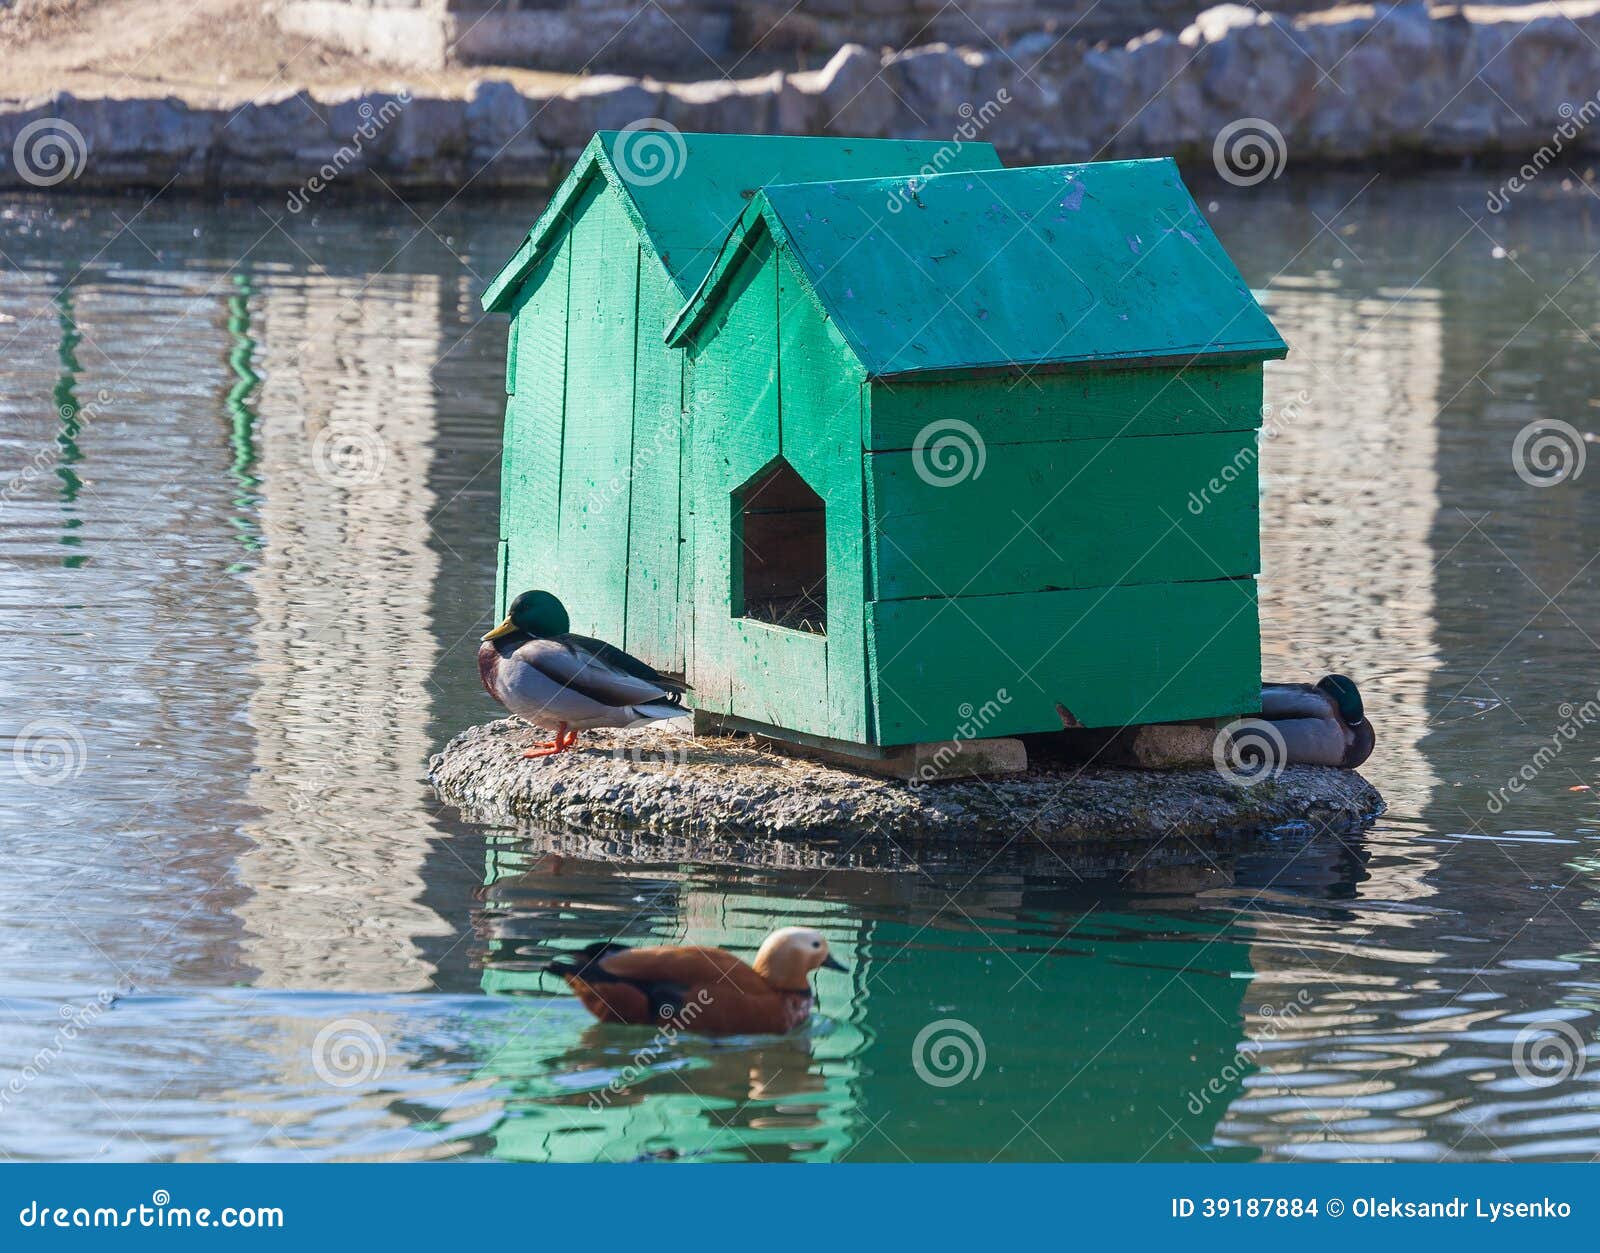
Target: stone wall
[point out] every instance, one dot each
(1401, 85)
(707, 38)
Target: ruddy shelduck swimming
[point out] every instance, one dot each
(707, 991)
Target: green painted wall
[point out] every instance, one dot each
(590, 476)
(1069, 547)
(770, 377)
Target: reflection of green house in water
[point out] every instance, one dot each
(1089, 1035)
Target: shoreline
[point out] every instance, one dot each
(1246, 93)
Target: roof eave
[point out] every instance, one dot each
(695, 310)
(1230, 354)
(502, 289)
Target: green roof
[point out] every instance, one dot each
(683, 191)
(997, 268)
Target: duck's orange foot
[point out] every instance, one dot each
(549, 748)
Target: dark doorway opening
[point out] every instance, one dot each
(780, 557)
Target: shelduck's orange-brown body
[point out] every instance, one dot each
(707, 991)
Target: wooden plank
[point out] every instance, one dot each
(511, 357)
(530, 482)
(654, 538)
(781, 677)
(598, 438)
(500, 597)
(1071, 404)
(820, 403)
(1069, 514)
(733, 402)
(1114, 657)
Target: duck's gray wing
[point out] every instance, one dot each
(626, 663)
(1295, 700)
(587, 675)
(1313, 741)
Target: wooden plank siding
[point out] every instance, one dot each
(656, 478)
(1072, 513)
(1113, 656)
(597, 441)
(820, 386)
(1092, 481)
(772, 378)
(530, 474)
(1072, 404)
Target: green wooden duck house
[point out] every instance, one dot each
(938, 446)
(592, 506)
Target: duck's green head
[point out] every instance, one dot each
(1346, 696)
(534, 613)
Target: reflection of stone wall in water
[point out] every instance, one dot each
(346, 432)
(705, 38)
(1354, 438)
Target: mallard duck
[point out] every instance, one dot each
(708, 991)
(1322, 724)
(563, 683)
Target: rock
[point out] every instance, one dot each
(1342, 84)
(665, 781)
(723, 106)
(1215, 25)
(854, 98)
(567, 121)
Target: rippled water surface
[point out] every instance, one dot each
(234, 922)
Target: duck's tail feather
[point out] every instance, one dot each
(591, 955)
(657, 709)
(665, 1000)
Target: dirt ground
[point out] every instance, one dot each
(215, 51)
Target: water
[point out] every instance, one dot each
(234, 922)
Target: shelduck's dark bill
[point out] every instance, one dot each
(833, 963)
(506, 627)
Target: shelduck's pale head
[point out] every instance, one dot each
(790, 954)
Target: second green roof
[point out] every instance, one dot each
(997, 268)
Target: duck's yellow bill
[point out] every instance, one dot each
(505, 628)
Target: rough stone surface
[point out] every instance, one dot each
(1385, 83)
(665, 781)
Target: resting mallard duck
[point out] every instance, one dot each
(564, 683)
(1322, 724)
(705, 990)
